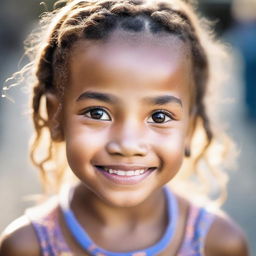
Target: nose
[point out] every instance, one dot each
(127, 141)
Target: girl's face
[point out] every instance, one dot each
(126, 114)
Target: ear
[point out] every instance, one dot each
(189, 135)
(54, 113)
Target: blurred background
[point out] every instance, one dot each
(235, 23)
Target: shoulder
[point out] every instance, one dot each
(19, 239)
(225, 238)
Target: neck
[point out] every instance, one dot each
(91, 209)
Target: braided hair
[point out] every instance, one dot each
(75, 20)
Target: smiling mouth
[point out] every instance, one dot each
(124, 171)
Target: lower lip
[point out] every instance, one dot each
(125, 180)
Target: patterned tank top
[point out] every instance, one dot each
(44, 219)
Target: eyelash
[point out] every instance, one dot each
(166, 113)
(88, 110)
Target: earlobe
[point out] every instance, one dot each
(53, 106)
(187, 151)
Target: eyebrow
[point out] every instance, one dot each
(165, 99)
(159, 100)
(97, 96)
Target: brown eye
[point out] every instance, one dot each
(97, 113)
(160, 117)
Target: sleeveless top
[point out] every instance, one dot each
(44, 219)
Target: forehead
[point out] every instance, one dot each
(121, 47)
(126, 58)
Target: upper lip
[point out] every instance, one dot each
(126, 167)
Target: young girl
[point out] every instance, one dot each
(120, 89)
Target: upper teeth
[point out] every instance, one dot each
(125, 173)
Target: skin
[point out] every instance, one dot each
(131, 69)
(127, 135)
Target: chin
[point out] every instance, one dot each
(123, 199)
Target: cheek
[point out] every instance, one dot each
(82, 144)
(170, 149)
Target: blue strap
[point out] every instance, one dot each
(202, 226)
(88, 245)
